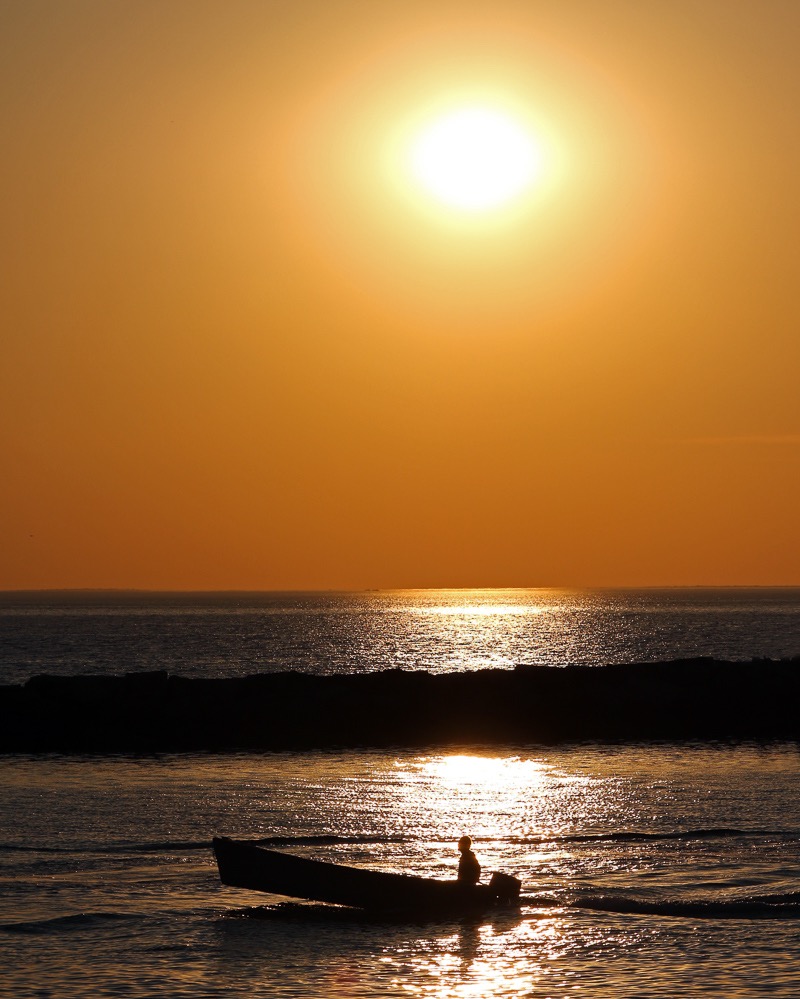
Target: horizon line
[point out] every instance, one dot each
(402, 589)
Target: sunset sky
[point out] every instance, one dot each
(245, 347)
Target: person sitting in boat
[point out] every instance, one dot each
(469, 870)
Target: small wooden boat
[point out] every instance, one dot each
(246, 865)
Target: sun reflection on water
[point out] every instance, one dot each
(484, 961)
(446, 630)
(521, 811)
(483, 610)
(494, 772)
(495, 799)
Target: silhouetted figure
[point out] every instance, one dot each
(469, 870)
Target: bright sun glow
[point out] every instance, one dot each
(497, 772)
(475, 159)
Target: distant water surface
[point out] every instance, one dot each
(234, 634)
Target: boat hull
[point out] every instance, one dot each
(246, 865)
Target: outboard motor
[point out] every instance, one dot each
(506, 888)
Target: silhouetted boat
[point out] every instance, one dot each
(245, 865)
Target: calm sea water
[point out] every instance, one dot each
(232, 634)
(658, 871)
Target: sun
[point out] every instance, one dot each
(475, 159)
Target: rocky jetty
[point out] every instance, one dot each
(698, 699)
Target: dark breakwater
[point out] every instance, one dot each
(696, 699)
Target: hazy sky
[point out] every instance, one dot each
(242, 349)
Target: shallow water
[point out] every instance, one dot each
(657, 871)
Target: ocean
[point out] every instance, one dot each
(648, 869)
(208, 635)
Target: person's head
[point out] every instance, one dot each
(464, 844)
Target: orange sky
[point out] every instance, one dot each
(241, 350)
